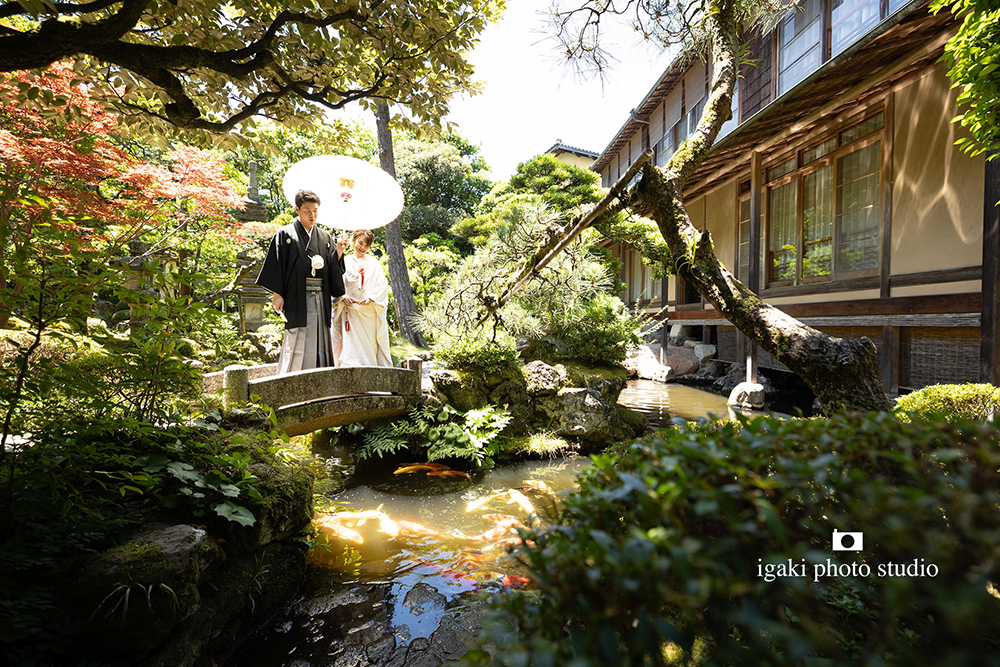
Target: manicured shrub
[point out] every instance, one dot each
(602, 335)
(663, 553)
(477, 351)
(971, 401)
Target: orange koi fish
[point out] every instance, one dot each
(449, 473)
(513, 581)
(419, 467)
(435, 466)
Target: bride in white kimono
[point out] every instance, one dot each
(360, 333)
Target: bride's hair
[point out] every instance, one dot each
(369, 237)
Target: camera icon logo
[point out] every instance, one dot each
(848, 541)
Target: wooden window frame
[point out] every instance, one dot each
(798, 174)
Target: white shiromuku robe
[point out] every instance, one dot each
(360, 333)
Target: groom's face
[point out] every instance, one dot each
(307, 213)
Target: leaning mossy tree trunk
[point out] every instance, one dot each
(843, 373)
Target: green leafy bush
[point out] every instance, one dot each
(602, 335)
(663, 554)
(477, 351)
(969, 401)
(444, 432)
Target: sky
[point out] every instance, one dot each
(533, 98)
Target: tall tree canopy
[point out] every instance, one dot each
(209, 67)
(443, 181)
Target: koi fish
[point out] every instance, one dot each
(448, 473)
(539, 486)
(420, 467)
(414, 527)
(509, 542)
(435, 466)
(522, 500)
(341, 532)
(479, 503)
(513, 581)
(388, 526)
(358, 518)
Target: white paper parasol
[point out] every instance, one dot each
(353, 193)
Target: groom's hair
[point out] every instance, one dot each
(302, 196)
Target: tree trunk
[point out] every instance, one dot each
(843, 374)
(399, 277)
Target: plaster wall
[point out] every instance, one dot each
(960, 287)
(822, 298)
(574, 159)
(719, 208)
(937, 194)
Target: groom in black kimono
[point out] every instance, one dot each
(304, 268)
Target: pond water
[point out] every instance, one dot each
(401, 581)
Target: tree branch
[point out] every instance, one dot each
(244, 269)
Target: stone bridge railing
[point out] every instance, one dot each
(305, 401)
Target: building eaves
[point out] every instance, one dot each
(563, 148)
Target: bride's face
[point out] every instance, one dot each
(360, 246)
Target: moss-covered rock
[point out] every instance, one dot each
(464, 390)
(633, 420)
(180, 595)
(135, 593)
(569, 400)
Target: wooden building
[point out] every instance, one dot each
(839, 168)
(577, 157)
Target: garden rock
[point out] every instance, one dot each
(738, 373)
(464, 392)
(422, 598)
(747, 395)
(583, 414)
(681, 360)
(704, 352)
(542, 379)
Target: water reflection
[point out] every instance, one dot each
(661, 402)
(401, 575)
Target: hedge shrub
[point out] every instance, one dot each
(970, 401)
(659, 556)
(477, 351)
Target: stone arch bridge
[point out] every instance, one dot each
(306, 401)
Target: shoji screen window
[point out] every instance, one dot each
(799, 44)
(849, 19)
(823, 208)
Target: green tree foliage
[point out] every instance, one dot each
(974, 58)
(205, 67)
(565, 188)
(279, 147)
(443, 181)
(669, 553)
(570, 299)
(430, 261)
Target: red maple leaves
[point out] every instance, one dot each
(60, 161)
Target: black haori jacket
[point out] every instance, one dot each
(289, 262)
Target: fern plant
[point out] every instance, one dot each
(444, 432)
